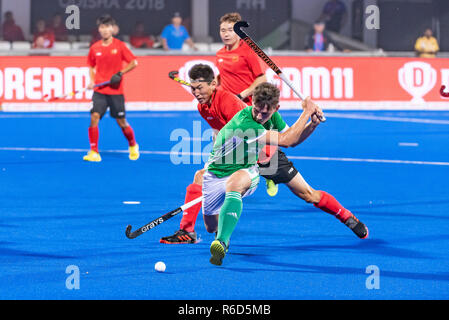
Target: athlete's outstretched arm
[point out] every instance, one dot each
(310, 127)
(296, 133)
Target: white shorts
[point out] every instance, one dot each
(214, 190)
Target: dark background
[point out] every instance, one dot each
(154, 13)
(263, 20)
(402, 22)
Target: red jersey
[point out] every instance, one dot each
(48, 36)
(223, 106)
(60, 32)
(107, 61)
(238, 68)
(12, 32)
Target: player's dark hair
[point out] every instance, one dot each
(266, 94)
(232, 17)
(106, 19)
(202, 71)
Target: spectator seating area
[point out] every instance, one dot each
(83, 42)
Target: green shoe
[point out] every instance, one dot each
(272, 188)
(218, 251)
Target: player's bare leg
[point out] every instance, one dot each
(327, 203)
(93, 155)
(186, 233)
(211, 223)
(128, 132)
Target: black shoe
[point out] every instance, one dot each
(180, 236)
(357, 227)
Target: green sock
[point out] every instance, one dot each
(230, 214)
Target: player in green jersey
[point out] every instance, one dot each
(232, 172)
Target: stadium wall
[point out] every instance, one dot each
(338, 83)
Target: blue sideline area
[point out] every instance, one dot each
(59, 211)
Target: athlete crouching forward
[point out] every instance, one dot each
(232, 172)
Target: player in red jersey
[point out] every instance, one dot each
(241, 71)
(106, 59)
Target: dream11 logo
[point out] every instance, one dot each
(417, 78)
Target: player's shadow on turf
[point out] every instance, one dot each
(243, 254)
(23, 253)
(265, 260)
(2, 225)
(340, 270)
(369, 246)
(402, 214)
(115, 155)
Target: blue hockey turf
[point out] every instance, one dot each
(391, 169)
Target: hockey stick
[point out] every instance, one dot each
(158, 221)
(174, 76)
(250, 42)
(71, 94)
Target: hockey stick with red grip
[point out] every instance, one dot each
(250, 42)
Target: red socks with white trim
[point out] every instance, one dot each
(330, 205)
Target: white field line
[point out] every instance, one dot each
(171, 114)
(381, 118)
(408, 144)
(389, 161)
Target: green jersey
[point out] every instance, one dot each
(237, 145)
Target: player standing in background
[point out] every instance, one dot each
(106, 59)
(241, 70)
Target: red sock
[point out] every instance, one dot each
(189, 217)
(129, 134)
(93, 138)
(330, 205)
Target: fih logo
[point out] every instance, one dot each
(184, 70)
(417, 78)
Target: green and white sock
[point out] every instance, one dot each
(230, 214)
